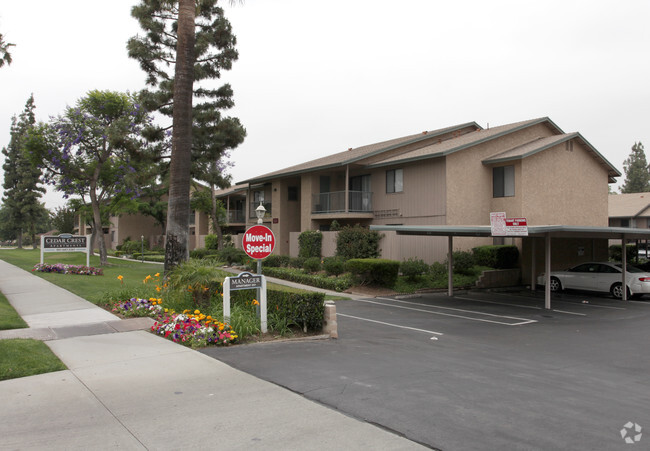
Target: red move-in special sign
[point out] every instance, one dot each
(258, 242)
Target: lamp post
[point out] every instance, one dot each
(142, 248)
(259, 212)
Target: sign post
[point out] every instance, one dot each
(245, 281)
(66, 243)
(258, 243)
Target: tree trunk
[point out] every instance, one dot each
(97, 218)
(19, 239)
(178, 209)
(215, 221)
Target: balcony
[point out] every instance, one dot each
(359, 202)
(236, 217)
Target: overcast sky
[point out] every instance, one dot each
(315, 78)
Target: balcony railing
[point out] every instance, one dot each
(359, 201)
(236, 216)
(254, 205)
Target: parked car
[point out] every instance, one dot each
(600, 276)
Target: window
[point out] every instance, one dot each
(503, 181)
(293, 193)
(394, 181)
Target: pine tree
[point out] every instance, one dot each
(5, 56)
(195, 38)
(21, 179)
(637, 177)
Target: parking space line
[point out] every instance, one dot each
(390, 324)
(522, 322)
(518, 305)
(570, 313)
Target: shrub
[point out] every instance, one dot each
(310, 242)
(277, 261)
(201, 278)
(335, 226)
(438, 270)
(499, 257)
(616, 253)
(312, 265)
(201, 253)
(334, 266)
(211, 241)
(315, 280)
(304, 309)
(232, 255)
(297, 262)
(357, 242)
(132, 247)
(374, 271)
(413, 268)
(463, 262)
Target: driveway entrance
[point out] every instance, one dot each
(476, 371)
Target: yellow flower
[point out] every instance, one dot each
(255, 302)
(158, 288)
(121, 279)
(157, 274)
(197, 312)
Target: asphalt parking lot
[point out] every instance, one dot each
(478, 371)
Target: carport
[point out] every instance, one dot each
(548, 233)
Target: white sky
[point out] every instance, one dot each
(315, 78)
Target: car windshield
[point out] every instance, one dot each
(629, 268)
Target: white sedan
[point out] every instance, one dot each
(600, 276)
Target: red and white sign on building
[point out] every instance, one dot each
(516, 227)
(502, 226)
(258, 242)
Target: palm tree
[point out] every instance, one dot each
(178, 211)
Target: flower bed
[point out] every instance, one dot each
(194, 330)
(191, 329)
(69, 269)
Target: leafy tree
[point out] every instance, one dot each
(95, 150)
(204, 200)
(8, 231)
(637, 177)
(196, 39)
(5, 56)
(21, 179)
(63, 219)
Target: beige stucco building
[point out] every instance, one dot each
(451, 176)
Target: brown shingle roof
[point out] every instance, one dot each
(354, 155)
(629, 205)
(460, 143)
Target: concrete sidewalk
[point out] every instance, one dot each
(129, 389)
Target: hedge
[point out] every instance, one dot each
(374, 271)
(293, 275)
(304, 309)
(498, 257)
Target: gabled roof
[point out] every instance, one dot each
(232, 190)
(541, 144)
(379, 155)
(351, 156)
(463, 142)
(630, 205)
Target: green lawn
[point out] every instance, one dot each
(9, 319)
(22, 357)
(91, 288)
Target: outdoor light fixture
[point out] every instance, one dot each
(260, 212)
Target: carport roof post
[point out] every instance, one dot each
(548, 232)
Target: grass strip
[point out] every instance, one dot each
(26, 357)
(9, 318)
